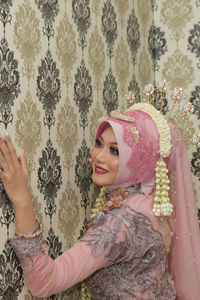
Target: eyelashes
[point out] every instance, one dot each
(98, 143)
(113, 150)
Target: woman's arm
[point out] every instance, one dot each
(106, 242)
(44, 275)
(14, 176)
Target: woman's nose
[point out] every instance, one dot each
(102, 154)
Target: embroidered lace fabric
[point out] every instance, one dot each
(28, 247)
(143, 155)
(120, 194)
(134, 253)
(136, 259)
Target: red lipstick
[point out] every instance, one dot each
(100, 170)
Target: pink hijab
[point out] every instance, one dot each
(137, 164)
(138, 160)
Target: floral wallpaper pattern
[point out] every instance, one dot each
(179, 23)
(63, 65)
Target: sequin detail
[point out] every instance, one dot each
(135, 255)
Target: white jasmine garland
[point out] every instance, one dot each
(162, 205)
(161, 124)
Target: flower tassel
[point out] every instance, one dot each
(162, 205)
(84, 292)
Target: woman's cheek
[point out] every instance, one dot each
(94, 153)
(115, 163)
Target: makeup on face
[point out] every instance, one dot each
(105, 158)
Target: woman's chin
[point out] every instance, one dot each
(100, 180)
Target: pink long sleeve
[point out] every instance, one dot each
(122, 245)
(46, 276)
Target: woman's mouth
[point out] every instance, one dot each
(100, 170)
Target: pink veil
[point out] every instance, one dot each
(184, 257)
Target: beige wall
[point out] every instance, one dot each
(179, 23)
(67, 68)
(62, 71)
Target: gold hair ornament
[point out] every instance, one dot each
(194, 140)
(149, 90)
(130, 98)
(187, 110)
(135, 133)
(118, 115)
(176, 94)
(162, 86)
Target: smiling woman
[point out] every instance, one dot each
(135, 245)
(105, 158)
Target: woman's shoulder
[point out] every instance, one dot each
(140, 203)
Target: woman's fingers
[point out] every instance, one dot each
(24, 164)
(9, 160)
(9, 152)
(13, 172)
(3, 152)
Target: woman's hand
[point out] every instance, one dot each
(13, 173)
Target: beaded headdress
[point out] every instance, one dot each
(162, 205)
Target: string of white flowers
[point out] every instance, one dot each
(162, 205)
(161, 124)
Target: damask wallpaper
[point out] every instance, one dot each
(177, 59)
(63, 65)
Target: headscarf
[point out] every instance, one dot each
(137, 158)
(137, 161)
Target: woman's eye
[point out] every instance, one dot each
(114, 151)
(98, 143)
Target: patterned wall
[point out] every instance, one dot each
(177, 59)
(63, 65)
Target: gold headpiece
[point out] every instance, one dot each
(176, 95)
(118, 115)
(162, 205)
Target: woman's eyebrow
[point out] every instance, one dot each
(111, 143)
(100, 137)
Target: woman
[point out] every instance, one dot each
(135, 247)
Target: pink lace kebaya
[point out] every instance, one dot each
(127, 252)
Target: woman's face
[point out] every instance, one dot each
(105, 158)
